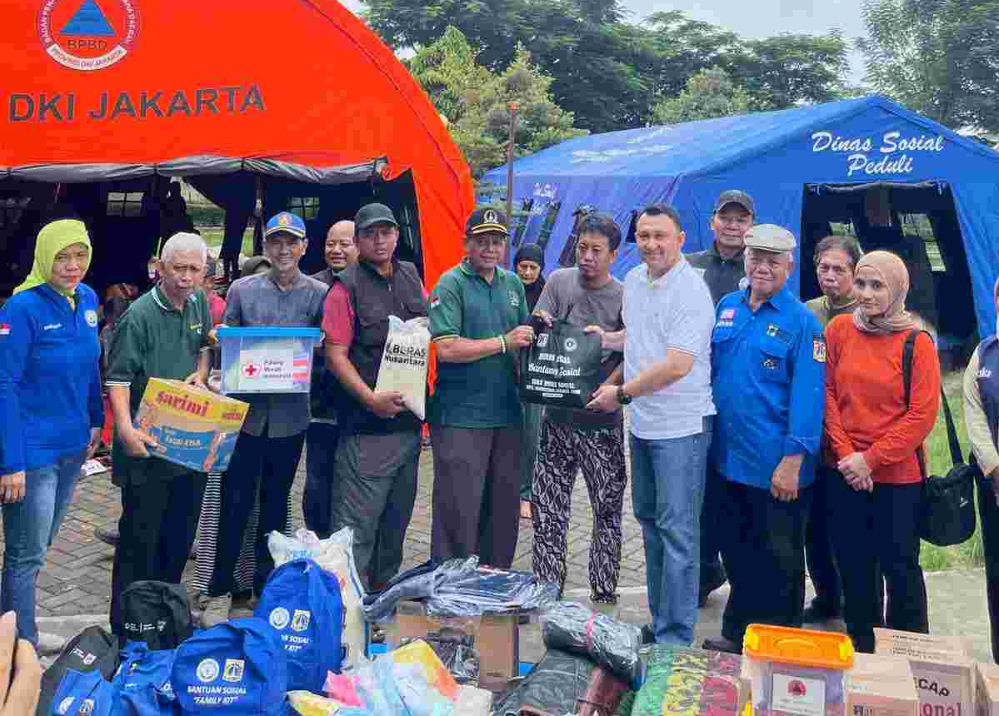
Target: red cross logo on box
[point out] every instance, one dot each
(250, 370)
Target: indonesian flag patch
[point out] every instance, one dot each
(435, 301)
(4, 329)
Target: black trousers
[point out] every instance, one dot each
(159, 519)
(712, 532)
(258, 463)
(988, 509)
(476, 493)
(321, 440)
(819, 551)
(765, 554)
(875, 534)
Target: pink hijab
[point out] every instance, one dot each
(893, 273)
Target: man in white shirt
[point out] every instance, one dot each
(669, 316)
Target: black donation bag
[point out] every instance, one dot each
(947, 514)
(561, 367)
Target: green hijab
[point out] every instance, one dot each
(53, 238)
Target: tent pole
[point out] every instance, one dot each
(509, 173)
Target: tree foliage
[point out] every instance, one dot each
(709, 93)
(476, 102)
(610, 72)
(938, 57)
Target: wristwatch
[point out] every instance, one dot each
(622, 397)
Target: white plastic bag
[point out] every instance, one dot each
(335, 555)
(404, 362)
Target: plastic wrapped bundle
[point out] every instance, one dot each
(563, 684)
(572, 628)
(710, 678)
(471, 590)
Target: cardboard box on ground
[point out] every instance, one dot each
(942, 671)
(879, 685)
(496, 639)
(988, 689)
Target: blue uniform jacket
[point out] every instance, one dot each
(50, 381)
(768, 382)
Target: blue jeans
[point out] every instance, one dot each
(29, 527)
(667, 492)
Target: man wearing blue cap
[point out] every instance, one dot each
(270, 443)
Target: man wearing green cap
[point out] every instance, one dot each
(477, 312)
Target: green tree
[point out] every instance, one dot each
(476, 102)
(607, 71)
(937, 57)
(709, 93)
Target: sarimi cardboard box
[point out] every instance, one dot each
(941, 670)
(193, 427)
(880, 685)
(497, 639)
(988, 689)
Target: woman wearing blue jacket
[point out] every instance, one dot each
(50, 406)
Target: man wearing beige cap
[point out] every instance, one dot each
(767, 376)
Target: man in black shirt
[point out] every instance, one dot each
(721, 266)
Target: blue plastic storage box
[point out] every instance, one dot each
(265, 359)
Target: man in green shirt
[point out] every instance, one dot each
(478, 313)
(835, 259)
(163, 334)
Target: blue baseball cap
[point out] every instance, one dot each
(238, 668)
(286, 223)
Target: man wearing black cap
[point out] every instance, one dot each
(476, 314)
(722, 266)
(378, 455)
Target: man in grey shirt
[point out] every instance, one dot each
(270, 444)
(573, 440)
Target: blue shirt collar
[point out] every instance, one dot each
(781, 301)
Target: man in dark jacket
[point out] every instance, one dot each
(379, 451)
(323, 435)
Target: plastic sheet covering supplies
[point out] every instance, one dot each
(575, 629)
(461, 588)
(563, 684)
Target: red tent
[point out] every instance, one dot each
(270, 101)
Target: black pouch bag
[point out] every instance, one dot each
(561, 367)
(947, 514)
(93, 649)
(156, 613)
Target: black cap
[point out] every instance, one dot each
(735, 196)
(484, 220)
(368, 216)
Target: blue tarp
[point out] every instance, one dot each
(773, 156)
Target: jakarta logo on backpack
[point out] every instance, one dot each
(300, 622)
(233, 670)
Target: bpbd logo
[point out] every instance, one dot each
(89, 34)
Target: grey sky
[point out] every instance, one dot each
(764, 18)
(758, 18)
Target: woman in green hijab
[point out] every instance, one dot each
(51, 411)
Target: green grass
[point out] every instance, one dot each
(969, 554)
(213, 237)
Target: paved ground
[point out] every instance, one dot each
(76, 580)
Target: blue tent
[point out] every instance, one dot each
(802, 166)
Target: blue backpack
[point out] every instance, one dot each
(84, 694)
(143, 680)
(302, 602)
(237, 668)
